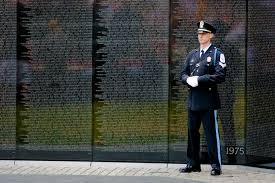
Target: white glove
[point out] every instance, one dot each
(193, 81)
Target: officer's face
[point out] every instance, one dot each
(204, 37)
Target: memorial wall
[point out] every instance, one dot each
(132, 80)
(55, 79)
(230, 21)
(260, 136)
(7, 79)
(98, 80)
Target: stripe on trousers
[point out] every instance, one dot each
(218, 137)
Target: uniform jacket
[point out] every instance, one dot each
(211, 71)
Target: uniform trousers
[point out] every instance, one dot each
(210, 125)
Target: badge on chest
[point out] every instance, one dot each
(209, 59)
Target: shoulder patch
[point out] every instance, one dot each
(222, 58)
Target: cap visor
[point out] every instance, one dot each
(203, 30)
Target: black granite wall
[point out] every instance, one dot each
(97, 80)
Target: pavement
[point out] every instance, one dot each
(105, 172)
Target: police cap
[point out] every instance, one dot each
(205, 27)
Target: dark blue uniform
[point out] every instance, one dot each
(203, 101)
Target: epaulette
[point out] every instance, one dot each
(193, 51)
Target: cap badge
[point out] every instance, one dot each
(201, 24)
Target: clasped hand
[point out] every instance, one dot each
(193, 81)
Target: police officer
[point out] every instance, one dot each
(203, 69)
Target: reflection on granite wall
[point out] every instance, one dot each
(7, 79)
(132, 79)
(54, 79)
(260, 136)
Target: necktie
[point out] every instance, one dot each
(202, 53)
